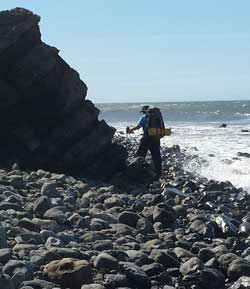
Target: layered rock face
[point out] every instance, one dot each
(45, 121)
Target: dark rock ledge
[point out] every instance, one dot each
(45, 121)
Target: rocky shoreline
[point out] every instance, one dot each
(58, 231)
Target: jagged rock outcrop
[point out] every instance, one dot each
(45, 121)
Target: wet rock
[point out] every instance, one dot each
(49, 190)
(238, 268)
(106, 262)
(163, 215)
(226, 259)
(112, 281)
(164, 258)
(62, 253)
(55, 214)
(241, 283)
(245, 155)
(17, 181)
(28, 224)
(169, 192)
(6, 282)
(113, 201)
(40, 257)
(46, 224)
(39, 284)
(69, 273)
(205, 254)
(5, 255)
(29, 238)
(54, 242)
(93, 286)
(144, 226)
(103, 245)
(245, 228)
(147, 212)
(107, 217)
(19, 271)
(200, 227)
(191, 266)
(135, 275)
(180, 211)
(212, 276)
(182, 254)
(3, 239)
(123, 229)
(128, 218)
(220, 250)
(226, 225)
(153, 269)
(137, 170)
(42, 205)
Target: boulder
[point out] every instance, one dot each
(238, 268)
(19, 271)
(106, 262)
(208, 275)
(115, 281)
(41, 205)
(45, 120)
(191, 266)
(128, 218)
(69, 273)
(165, 258)
(164, 215)
(135, 275)
(56, 215)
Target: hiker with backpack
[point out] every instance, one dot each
(152, 124)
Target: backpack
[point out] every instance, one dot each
(155, 123)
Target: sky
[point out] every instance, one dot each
(148, 51)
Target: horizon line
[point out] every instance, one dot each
(170, 101)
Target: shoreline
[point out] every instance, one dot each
(202, 158)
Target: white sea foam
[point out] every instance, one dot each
(243, 115)
(216, 148)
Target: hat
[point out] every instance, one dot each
(145, 108)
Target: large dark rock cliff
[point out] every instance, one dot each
(45, 121)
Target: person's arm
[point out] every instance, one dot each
(131, 130)
(139, 125)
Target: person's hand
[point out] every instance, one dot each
(128, 130)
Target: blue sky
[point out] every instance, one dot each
(144, 50)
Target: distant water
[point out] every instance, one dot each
(196, 130)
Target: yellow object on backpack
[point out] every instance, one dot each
(159, 132)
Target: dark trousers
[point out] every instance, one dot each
(153, 145)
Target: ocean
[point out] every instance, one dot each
(196, 129)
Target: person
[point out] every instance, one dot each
(147, 142)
